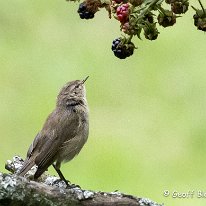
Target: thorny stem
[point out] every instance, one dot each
(145, 11)
(148, 8)
(202, 7)
(130, 38)
(161, 10)
(106, 2)
(127, 40)
(194, 8)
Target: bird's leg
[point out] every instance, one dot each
(60, 174)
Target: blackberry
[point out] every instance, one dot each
(180, 6)
(200, 19)
(150, 31)
(168, 18)
(123, 13)
(83, 11)
(130, 29)
(196, 18)
(149, 17)
(122, 49)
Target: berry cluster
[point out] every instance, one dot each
(140, 16)
(134, 19)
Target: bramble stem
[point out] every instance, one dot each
(194, 8)
(148, 8)
(161, 10)
(130, 38)
(202, 7)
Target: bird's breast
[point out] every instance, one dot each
(73, 145)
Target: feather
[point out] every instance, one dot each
(28, 164)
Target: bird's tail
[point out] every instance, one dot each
(28, 164)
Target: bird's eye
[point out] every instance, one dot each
(77, 86)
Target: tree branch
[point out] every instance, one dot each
(51, 191)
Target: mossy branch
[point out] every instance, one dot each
(50, 191)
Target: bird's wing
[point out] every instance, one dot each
(29, 161)
(33, 145)
(59, 127)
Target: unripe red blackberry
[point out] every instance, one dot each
(168, 18)
(180, 6)
(131, 28)
(127, 28)
(123, 12)
(200, 20)
(122, 49)
(150, 31)
(83, 11)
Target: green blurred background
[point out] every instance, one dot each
(147, 113)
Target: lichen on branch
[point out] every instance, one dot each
(51, 191)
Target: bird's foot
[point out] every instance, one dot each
(72, 186)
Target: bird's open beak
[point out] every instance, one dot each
(84, 80)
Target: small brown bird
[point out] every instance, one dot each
(64, 133)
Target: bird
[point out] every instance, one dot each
(63, 134)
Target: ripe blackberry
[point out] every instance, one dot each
(122, 49)
(123, 12)
(83, 11)
(168, 18)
